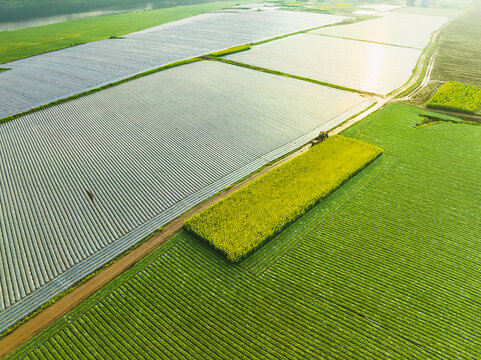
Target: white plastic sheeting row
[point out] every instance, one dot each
(355, 64)
(82, 181)
(48, 77)
(395, 28)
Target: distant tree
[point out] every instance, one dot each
(410, 2)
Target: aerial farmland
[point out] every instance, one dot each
(222, 180)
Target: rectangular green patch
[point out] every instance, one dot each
(231, 50)
(244, 220)
(457, 97)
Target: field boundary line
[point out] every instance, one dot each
(100, 88)
(426, 58)
(367, 41)
(58, 309)
(384, 163)
(154, 70)
(296, 77)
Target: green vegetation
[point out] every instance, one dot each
(2, 70)
(360, 276)
(231, 50)
(456, 97)
(460, 51)
(178, 63)
(429, 120)
(331, 8)
(249, 217)
(22, 43)
(13, 10)
(76, 285)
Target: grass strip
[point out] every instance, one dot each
(231, 50)
(18, 44)
(280, 73)
(60, 101)
(455, 96)
(246, 219)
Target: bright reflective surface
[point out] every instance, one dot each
(392, 28)
(356, 64)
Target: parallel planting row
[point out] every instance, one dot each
(367, 280)
(102, 172)
(246, 219)
(56, 75)
(358, 65)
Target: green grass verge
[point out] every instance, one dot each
(456, 97)
(27, 42)
(247, 218)
(178, 63)
(231, 50)
(350, 20)
(367, 41)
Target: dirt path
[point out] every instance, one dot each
(33, 326)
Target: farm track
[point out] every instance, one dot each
(435, 41)
(33, 326)
(410, 98)
(162, 179)
(412, 81)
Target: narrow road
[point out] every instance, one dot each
(55, 311)
(33, 326)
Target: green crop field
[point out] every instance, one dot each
(22, 43)
(457, 97)
(254, 214)
(460, 51)
(386, 267)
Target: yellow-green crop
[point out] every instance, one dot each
(457, 97)
(247, 218)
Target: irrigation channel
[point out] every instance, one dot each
(34, 325)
